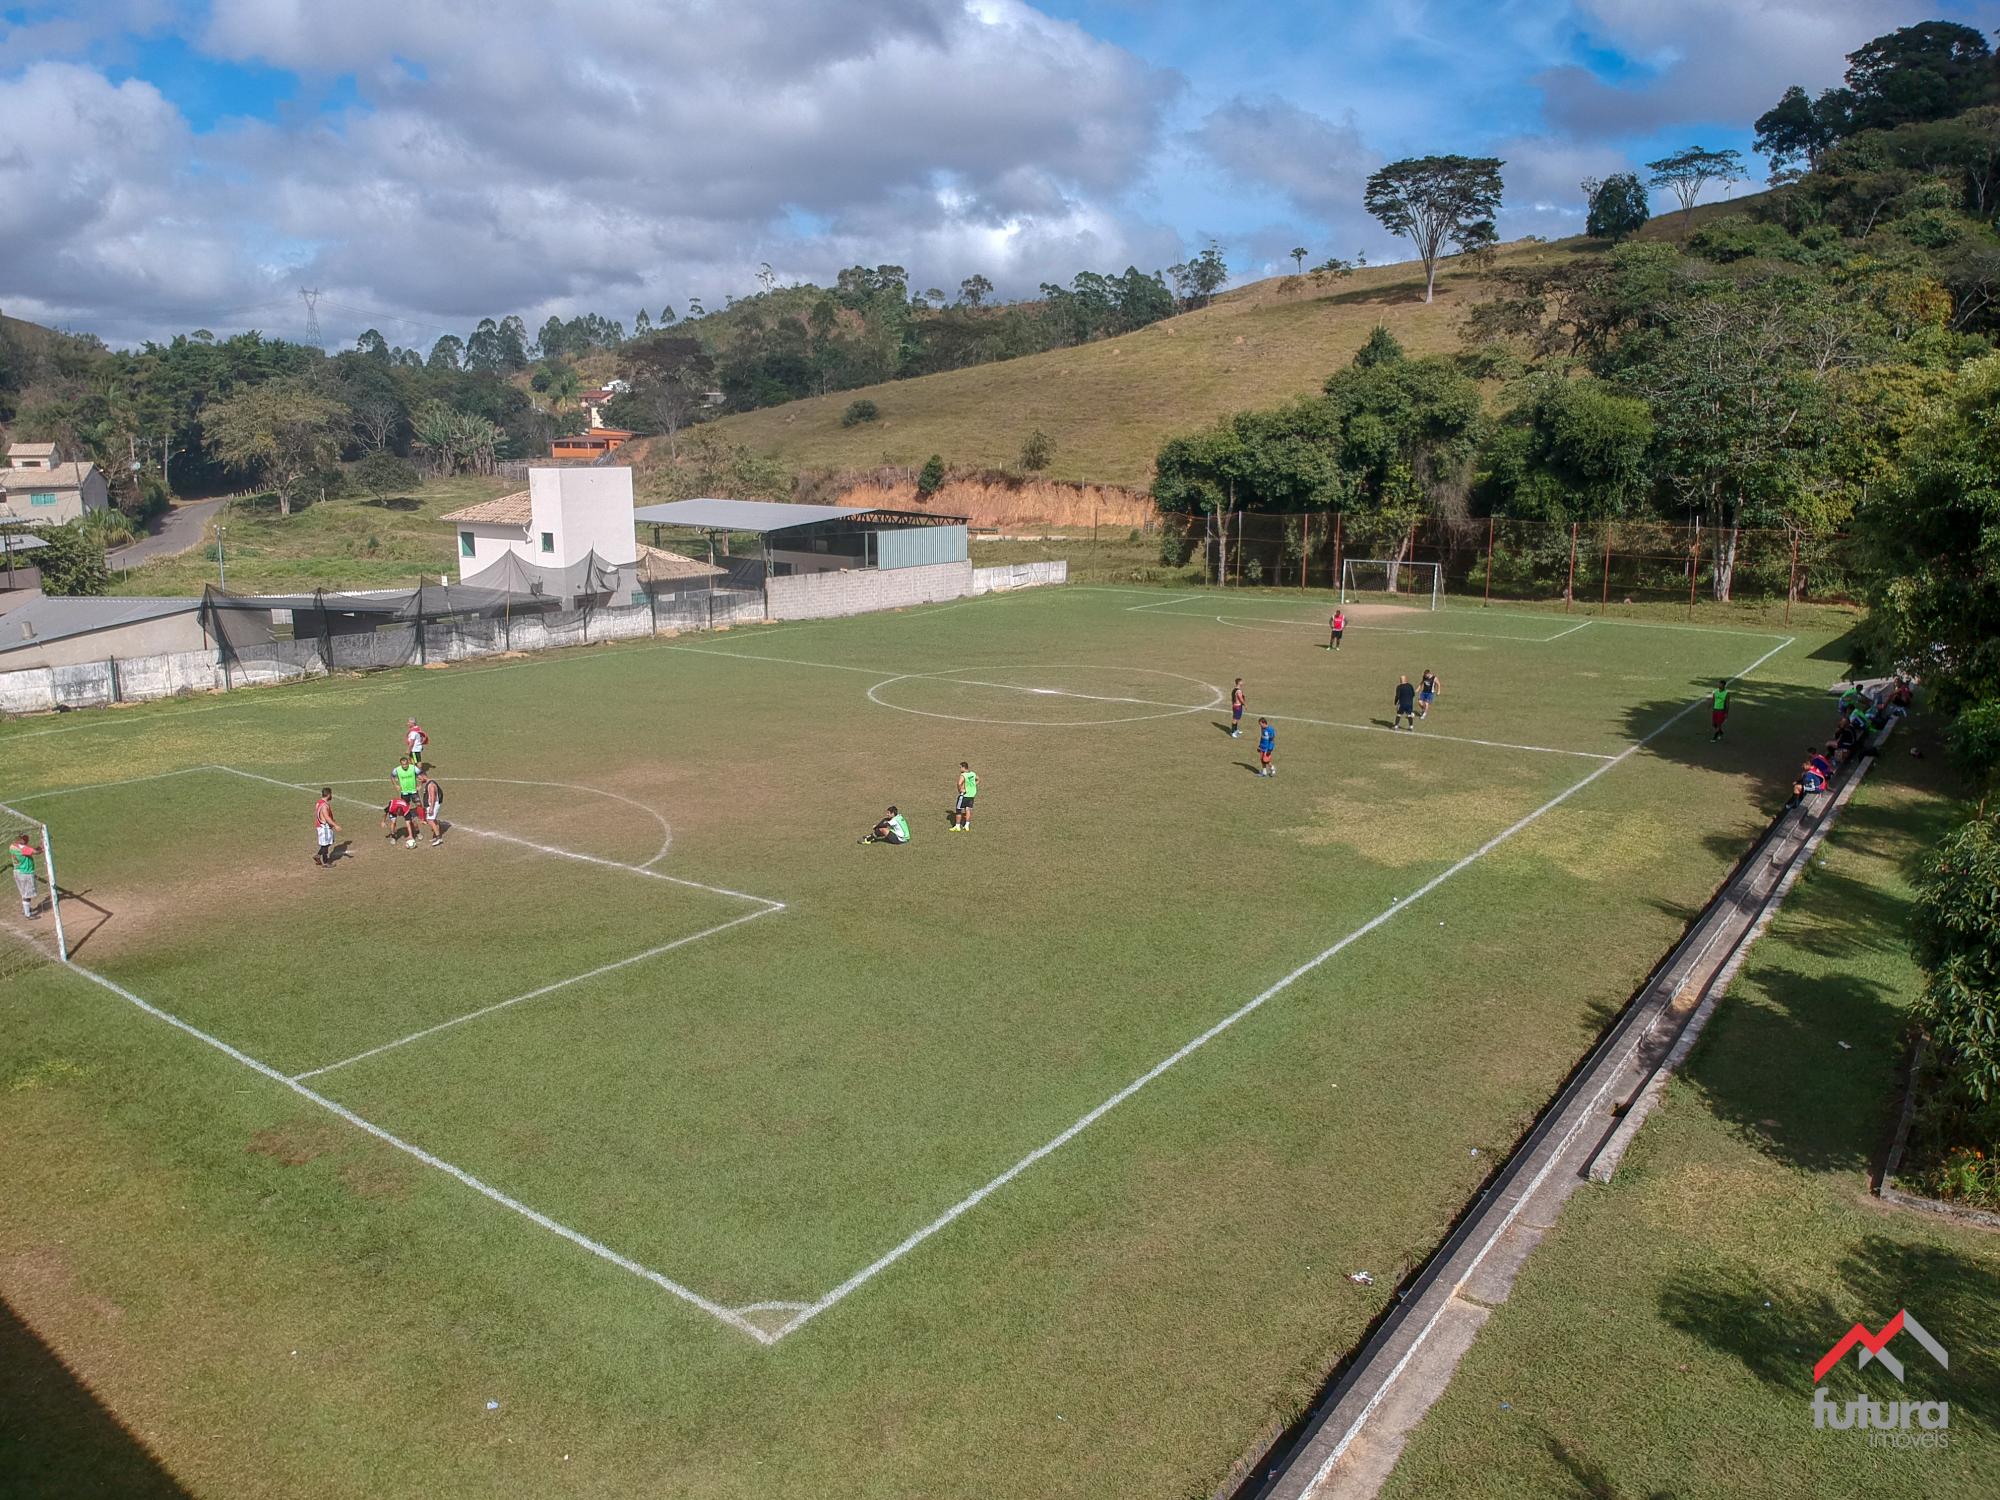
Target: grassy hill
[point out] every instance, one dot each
(1108, 405)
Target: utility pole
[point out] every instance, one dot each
(221, 566)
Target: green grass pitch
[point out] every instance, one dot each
(734, 1158)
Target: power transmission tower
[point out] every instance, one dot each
(312, 317)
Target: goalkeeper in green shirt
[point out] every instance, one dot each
(893, 829)
(968, 789)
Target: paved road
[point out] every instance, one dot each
(181, 530)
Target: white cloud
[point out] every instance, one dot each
(521, 155)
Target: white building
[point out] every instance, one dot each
(37, 485)
(563, 516)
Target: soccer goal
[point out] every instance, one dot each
(1417, 583)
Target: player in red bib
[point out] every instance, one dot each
(1335, 627)
(1236, 710)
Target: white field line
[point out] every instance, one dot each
(787, 661)
(98, 786)
(666, 828)
(536, 994)
(1455, 739)
(1272, 627)
(973, 1199)
(1571, 631)
(625, 1263)
(1167, 603)
(552, 849)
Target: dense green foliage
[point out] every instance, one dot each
(1958, 942)
(72, 561)
(1617, 206)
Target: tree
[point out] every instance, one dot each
(383, 475)
(283, 432)
(1957, 940)
(1435, 200)
(1298, 254)
(372, 344)
(1198, 280)
(1618, 206)
(513, 342)
(642, 324)
(1797, 129)
(1928, 71)
(1571, 450)
(1379, 349)
(860, 411)
(72, 561)
(448, 353)
(974, 290)
(1037, 452)
(482, 350)
(376, 419)
(931, 479)
(670, 375)
(1688, 171)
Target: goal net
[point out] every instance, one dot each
(1378, 579)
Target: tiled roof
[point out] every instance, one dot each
(32, 450)
(657, 565)
(55, 477)
(508, 510)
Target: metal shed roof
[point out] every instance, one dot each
(767, 516)
(57, 617)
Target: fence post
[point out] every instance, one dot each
(1606, 605)
(1239, 549)
(112, 663)
(1489, 562)
(1694, 571)
(1569, 589)
(1792, 588)
(423, 658)
(1339, 577)
(1305, 544)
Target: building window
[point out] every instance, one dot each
(42, 498)
(466, 546)
(548, 541)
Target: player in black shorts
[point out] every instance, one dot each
(1406, 705)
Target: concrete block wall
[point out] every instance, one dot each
(1018, 576)
(822, 596)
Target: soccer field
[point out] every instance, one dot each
(740, 1159)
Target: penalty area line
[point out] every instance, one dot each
(535, 994)
(534, 1216)
(973, 1199)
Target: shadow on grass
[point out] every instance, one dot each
(1769, 727)
(397, 503)
(1395, 291)
(56, 1438)
(1778, 1332)
(76, 936)
(1591, 1479)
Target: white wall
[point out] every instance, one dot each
(855, 591)
(490, 543)
(589, 510)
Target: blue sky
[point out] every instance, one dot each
(428, 162)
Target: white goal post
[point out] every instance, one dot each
(1417, 583)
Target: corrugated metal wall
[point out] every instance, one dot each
(920, 546)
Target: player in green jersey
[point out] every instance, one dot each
(968, 789)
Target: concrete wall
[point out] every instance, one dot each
(1018, 576)
(819, 596)
(490, 543)
(169, 633)
(589, 510)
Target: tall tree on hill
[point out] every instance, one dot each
(670, 377)
(448, 353)
(1922, 72)
(1200, 278)
(1797, 129)
(1688, 171)
(1436, 200)
(1617, 206)
(974, 290)
(282, 432)
(1298, 253)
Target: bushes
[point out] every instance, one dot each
(72, 562)
(860, 411)
(931, 480)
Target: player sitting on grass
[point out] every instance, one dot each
(968, 793)
(893, 829)
(1427, 691)
(1406, 705)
